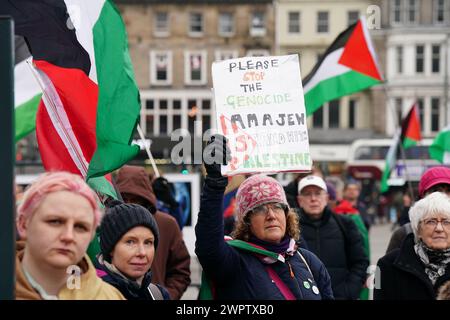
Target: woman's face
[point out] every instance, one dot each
(268, 222)
(134, 252)
(59, 231)
(434, 232)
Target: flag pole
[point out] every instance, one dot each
(402, 151)
(147, 149)
(7, 199)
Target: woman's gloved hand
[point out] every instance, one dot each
(215, 154)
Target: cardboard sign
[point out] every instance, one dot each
(260, 109)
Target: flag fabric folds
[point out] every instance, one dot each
(91, 104)
(407, 136)
(440, 148)
(27, 93)
(349, 65)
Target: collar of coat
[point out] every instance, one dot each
(408, 261)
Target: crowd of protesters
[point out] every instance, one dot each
(254, 238)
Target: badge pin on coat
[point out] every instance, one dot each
(307, 285)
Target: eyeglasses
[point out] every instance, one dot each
(432, 223)
(264, 209)
(316, 194)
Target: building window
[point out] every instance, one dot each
(163, 124)
(352, 114)
(318, 118)
(439, 11)
(161, 24)
(398, 110)
(352, 17)
(396, 11)
(206, 115)
(149, 124)
(225, 54)
(195, 67)
(294, 22)
(163, 104)
(435, 111)
(421, 107)
(258, 53)
(176, 104)
(226, 24)
(412, 11)
(435, 58)
(161, 67)
(192, 115)
(176, 120)
(419, 58)
(322, 21)
(257, 24)
(164, 114)
(327, 116)
(333, 114)
(195, 24)
(399, 59)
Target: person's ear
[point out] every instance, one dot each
(299, 201)
(22, 227)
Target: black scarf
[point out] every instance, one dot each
(279, 248)
(435, 261)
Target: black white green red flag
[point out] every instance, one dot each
(407, 136)
(440, 148)
(90, 105)
(27, 93)
(349, 65)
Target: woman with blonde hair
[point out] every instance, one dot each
(56, 221)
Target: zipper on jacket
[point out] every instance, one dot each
(290, 270)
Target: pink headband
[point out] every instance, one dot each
(57, 181)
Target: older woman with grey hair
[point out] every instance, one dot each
(419, 268)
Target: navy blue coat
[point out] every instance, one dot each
(238, 274)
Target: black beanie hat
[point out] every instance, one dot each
(118, 220)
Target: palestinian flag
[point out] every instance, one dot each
(349, 65)
(440, 148)
(27, 93)
(90, 105)
(406, 137)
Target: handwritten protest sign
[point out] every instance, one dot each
(261, 110)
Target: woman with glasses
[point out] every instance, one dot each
(262, 261)
(422, 265)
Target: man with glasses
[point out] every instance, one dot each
(334, 239)
(434, 179)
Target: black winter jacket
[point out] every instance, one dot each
(343, 255)
(401, 276)
(130, 289)
(240, 275)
